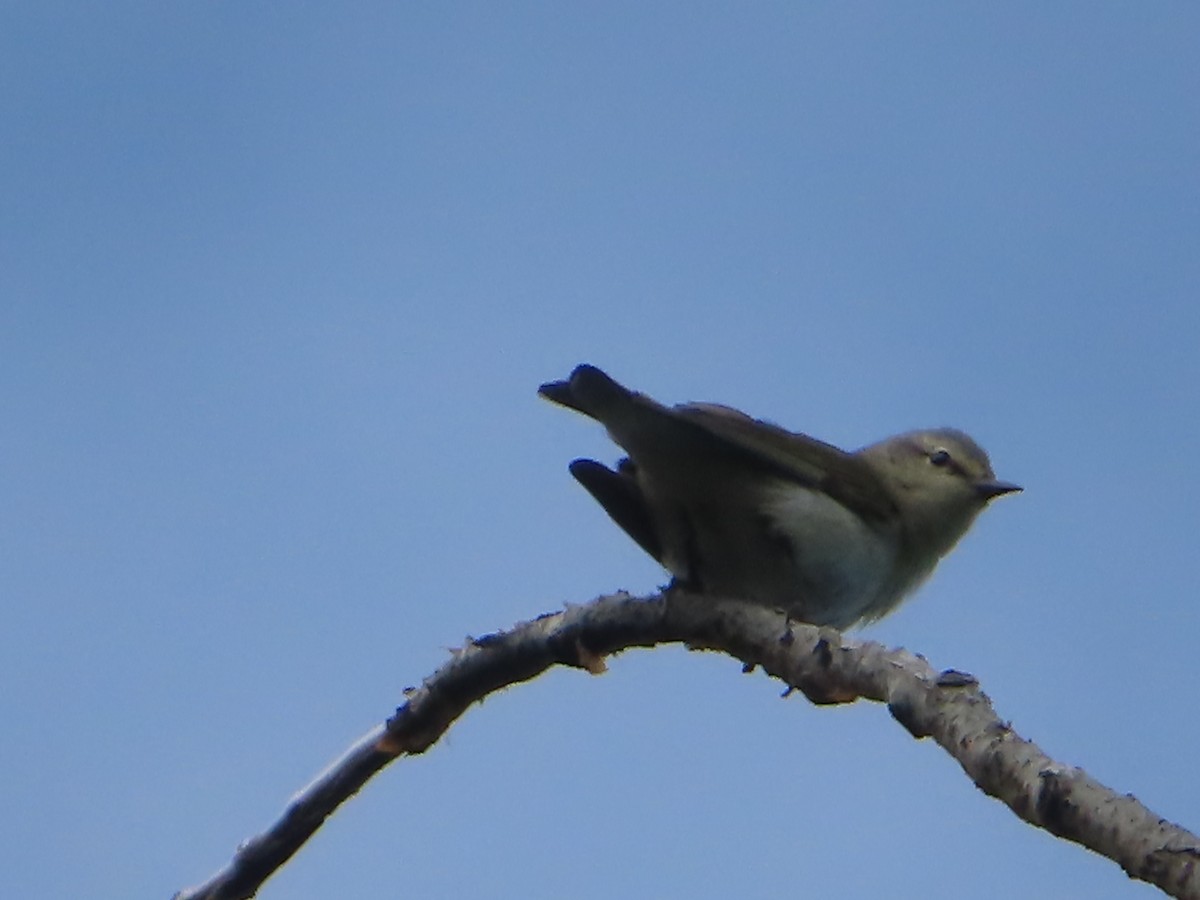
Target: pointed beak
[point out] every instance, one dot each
(989, 490)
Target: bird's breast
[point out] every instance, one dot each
(842, 567)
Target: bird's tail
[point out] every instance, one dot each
(588, 390)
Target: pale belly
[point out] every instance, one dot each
(794, 549)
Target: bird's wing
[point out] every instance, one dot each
(796, 457)
(698, 430)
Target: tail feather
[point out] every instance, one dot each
(588, 390)
(621, 496)
(560, 392)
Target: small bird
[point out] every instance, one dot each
(736, 507)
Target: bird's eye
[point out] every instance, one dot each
(940, 456)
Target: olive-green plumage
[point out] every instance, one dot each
(737, 507)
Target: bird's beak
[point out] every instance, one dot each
(989, 490)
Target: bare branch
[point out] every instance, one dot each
(949, 706)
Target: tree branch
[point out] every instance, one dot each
(949, 706)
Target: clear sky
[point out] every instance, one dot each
(278, 284)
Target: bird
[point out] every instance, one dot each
(740, 508)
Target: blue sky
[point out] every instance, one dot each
(279, 284)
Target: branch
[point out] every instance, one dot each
(828, 668)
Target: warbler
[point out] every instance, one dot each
(737, 507)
